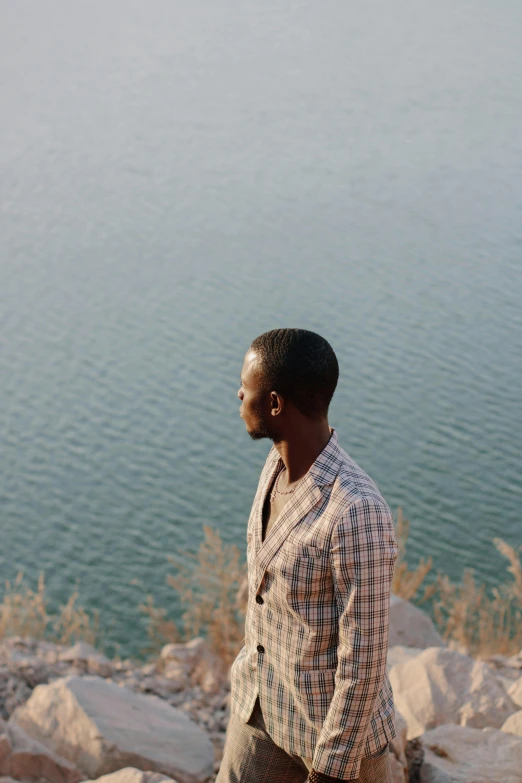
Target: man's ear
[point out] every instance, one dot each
(276, 404)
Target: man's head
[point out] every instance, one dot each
(288, 379)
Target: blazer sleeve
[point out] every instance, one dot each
(362, 555)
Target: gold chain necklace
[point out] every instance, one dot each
(277, 491)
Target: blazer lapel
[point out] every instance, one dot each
(305, 498)
(322, 473)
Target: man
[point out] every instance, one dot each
(310, 699)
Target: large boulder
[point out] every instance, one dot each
(24, 758)
(101, 727)
(133, 775)
(439, 686)
(398, 772)
(399, 742)
(513, 725)
(515, 692)
(399, 654)
(410, 626)
(459, 754)
(5, 751)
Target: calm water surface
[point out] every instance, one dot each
(177, 177)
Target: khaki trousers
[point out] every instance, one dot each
(251, 756)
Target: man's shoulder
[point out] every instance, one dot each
(353, 485)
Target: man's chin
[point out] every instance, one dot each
(258, 434)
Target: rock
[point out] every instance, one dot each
(5, 751)
(398, 743)
(460, 754)
(399, 773)
(515, 692)
(415, 758)
(410, 626)
(209, 679)
(187, 654)
(88, 656)
(516, 660)
(497, 661)
(81, 651)
(439, 686)
(30, 668)
(513, 725)
(399, 653)
(196, 660)
(506, 682)
(177, 674)
(28, 759)
(17, 693)
(507, 672)
(133, 775)
(161, 686)
(101, 727)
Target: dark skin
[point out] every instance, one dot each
(298, 439)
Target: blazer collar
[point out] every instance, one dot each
(322, 473)
(326, 466)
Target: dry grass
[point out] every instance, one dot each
(160, 629)
(482, 623)
(25, 612)
(467, 615)
(207, 585)
(406, 583)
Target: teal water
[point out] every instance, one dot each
(176, 178)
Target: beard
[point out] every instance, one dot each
(261, 431)
(261, 428)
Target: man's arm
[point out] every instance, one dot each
(362, 557)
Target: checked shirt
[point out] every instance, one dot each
(316, 629)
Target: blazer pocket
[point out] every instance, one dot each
(316, 688)
(304, 570)
(303, 550)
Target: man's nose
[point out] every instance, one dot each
(240, 394)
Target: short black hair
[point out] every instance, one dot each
(301, 366)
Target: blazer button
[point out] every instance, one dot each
(260, 648)
(259, 599)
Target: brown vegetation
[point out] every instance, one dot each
(207, 584)
(407, 583)
(480, 622)
(474, 619)
(25, 612)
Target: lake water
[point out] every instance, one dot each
(178, 176)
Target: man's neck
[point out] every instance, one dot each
(300, 448)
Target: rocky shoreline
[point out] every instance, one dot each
(70, 714)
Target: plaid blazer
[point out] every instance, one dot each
(316, 629)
